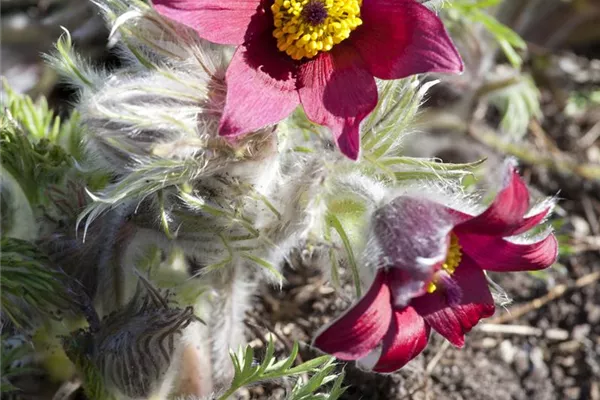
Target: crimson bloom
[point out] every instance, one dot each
(447, 250)
(323, 54)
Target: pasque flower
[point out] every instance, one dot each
(447, 251)
(323, 54)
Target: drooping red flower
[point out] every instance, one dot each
(447, 250)
(323, 54)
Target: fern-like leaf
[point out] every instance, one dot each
(17, 354)
(247, 372)
(30, 286)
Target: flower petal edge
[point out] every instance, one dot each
(360, 329)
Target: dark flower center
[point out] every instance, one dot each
(314, 13)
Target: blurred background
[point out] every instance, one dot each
(531, 90)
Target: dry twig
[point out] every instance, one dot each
(524, 330)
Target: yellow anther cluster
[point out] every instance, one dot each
(300, 34)
(451, 263)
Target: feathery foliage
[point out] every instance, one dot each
(29, 285)
(247, 373)
(16, 358)
(32, 163)
(474, 12)
(518, 103)
(39, 122)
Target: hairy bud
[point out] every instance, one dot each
(134, 348)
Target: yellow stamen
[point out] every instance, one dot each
(451, 263)
(303, 28)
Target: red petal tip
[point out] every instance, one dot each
(360, 329)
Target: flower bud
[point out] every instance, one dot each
(135, 347)
(416, 252)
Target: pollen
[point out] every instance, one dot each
(303, 28)
(450, 264)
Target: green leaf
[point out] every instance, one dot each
(310, 365)
(38, 122)
(518, 103)
(265, 264)
(28, 283)
(322, 377)
(14, 361)
(508, 40)
(247, 372)
(334, 222)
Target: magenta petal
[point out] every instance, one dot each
(223, 22)
(399, 38)
(360, 329)
(338, 91)
(405, 339)
(261, 88)
(505, 215)
(475, 303)
(497, 254)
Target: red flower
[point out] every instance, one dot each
(448, 251)
(320, 53)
